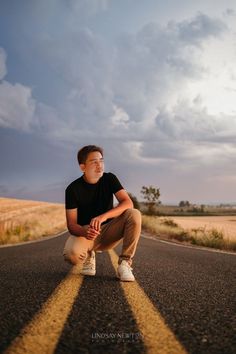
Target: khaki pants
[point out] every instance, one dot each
(126, 227)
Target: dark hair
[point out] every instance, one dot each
(83, 153)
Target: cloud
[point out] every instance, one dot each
(199, 28)
(189, 120)
(17, 106)
(133, 90)
(230, 12)
(83, 61)
(133, 75)
(154, 65)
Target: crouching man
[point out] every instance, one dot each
(93, 222)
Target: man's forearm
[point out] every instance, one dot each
(77, 230)
(119, 209)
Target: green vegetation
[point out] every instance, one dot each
(152, 195)
(192, 210)
(153, 206)
(212, 238)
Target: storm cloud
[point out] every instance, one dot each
(145, 95)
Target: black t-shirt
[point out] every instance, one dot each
(92, 199)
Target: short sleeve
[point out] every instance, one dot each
(70, 199)
(115, 183)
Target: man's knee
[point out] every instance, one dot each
(74, 258)
(133, 214)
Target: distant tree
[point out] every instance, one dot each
(135, 201)
(151, 194)
(184, 203)
(202, 208)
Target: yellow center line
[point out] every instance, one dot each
(41, 335)
(156, 335)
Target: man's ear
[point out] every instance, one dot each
(82, 167)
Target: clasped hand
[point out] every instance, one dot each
(94, 228)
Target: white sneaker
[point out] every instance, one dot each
(89, 266)
(124, 271)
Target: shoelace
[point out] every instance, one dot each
(87, 263)
(128, 267)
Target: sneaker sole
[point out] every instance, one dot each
(118, 276)
(87, 273)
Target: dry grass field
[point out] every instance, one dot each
(224, 224)
(209, 231)
(23, 220)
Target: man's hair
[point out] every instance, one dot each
(83, 153)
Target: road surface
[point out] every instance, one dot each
(184, 301)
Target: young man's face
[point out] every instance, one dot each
(93, 167)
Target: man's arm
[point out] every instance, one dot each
(76, 229)
(124, 202)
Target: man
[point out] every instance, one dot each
(93, 222)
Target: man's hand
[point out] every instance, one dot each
(96, 222)
(91, 233)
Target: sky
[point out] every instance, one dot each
(152, 82)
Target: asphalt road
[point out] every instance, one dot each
(192, 291)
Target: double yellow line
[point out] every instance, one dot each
(42, 334)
